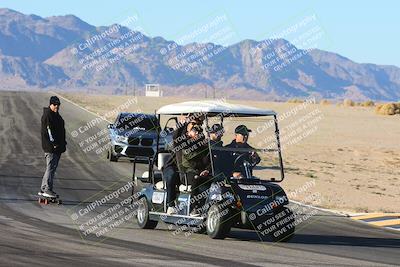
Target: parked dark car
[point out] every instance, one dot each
(133, 135)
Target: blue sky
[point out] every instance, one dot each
(364, 31)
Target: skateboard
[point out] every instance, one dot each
(47, 200)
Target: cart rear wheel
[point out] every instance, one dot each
(142, 216)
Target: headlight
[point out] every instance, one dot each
(122, 139)
(216, 197)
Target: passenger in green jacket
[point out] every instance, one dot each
(196, 161)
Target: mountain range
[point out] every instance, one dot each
(67, 53)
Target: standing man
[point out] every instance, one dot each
(53, 144)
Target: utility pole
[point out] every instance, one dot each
(213, 92)
(134, 87)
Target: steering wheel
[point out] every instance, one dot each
(249, 159)
(239, 160)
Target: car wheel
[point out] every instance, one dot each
(218, 223)
(285, 231)
(111, 156)
(142, 216)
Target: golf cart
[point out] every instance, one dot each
(251, 200)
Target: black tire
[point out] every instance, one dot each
(284, 232)
(111, 156)
(142, 216)
(218, 223)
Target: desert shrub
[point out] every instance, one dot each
(368, 103)
(295, 100)
(388, 109)
(348, 103)
(325, 102)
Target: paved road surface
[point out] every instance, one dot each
(49, 235)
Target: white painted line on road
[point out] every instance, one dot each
(321, 209)
(91, 112)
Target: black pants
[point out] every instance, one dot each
(198, 185)
(171, 178)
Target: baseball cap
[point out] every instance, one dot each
(242, 129)
(54, 100)
(216, 128)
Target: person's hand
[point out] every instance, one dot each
(237, 175)
(204, 173)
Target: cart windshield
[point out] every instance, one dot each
(245, 148)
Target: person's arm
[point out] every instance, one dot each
(255, 158)
(65, 139)
(206, 162)
(50, 134)
(46, 128)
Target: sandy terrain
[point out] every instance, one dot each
(347, 157)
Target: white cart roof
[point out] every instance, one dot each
(213, 108)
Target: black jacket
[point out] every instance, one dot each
(179, 142)
(253, 159)
(56, 124)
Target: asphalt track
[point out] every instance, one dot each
(31, 234)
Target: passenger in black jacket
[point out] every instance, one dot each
(240, 145)
(53, 143)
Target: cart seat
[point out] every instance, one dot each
(185, 188)
(157, 175)
(160, 185)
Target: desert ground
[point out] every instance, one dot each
(336, 157)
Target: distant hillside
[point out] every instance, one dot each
(42, 52)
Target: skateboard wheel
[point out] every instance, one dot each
(46, 201)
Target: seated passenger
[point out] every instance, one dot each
(240, 142)
(221, 159)
(171, 167)
(216, 133)
(196, 162)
